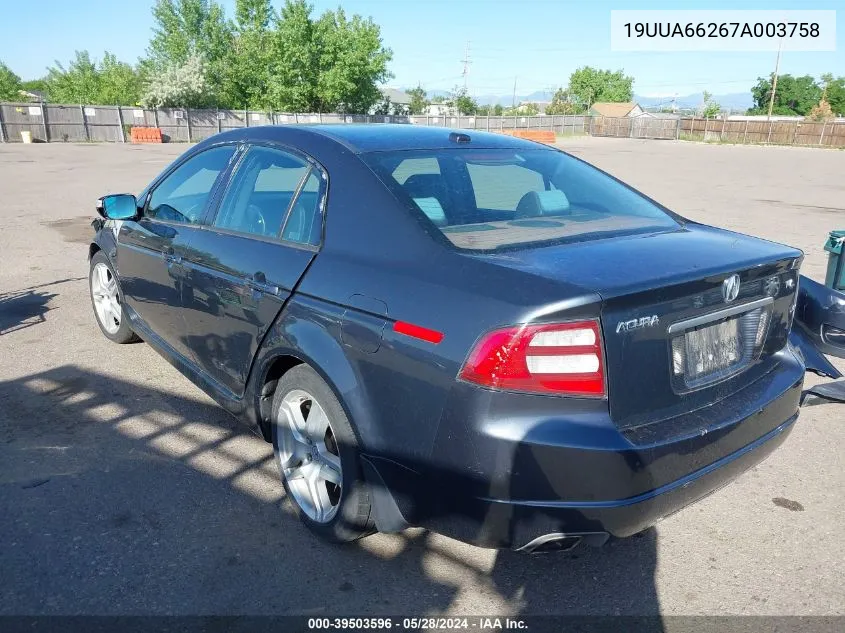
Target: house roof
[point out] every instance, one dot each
(396, 96)
(613, 109)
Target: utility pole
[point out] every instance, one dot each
(775, 81)
(513, 101)
(466, 60)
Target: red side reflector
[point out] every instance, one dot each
(416, 331)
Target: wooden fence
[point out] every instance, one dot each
(829, 134)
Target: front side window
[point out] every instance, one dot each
(488, 199)
(183, 195)
(261, 192)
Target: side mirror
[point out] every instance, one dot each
(121, 206)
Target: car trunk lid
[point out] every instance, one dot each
(673, 341)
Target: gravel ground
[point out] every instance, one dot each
(125, 490)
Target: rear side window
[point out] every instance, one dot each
(305, 222)
(488, 199)
(261, 191)
(182, 196)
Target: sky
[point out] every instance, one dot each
(535, 43)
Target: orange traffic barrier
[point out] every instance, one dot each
(145, 135)
(541, 136)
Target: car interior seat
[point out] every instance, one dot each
(542, 204)
(431, 195)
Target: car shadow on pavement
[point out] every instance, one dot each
(117, 498)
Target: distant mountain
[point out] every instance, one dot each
(504, 100)
(731, 101)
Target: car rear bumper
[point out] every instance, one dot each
(520, 523)
(503, 473)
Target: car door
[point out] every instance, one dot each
(247, 261)
(820, 320)
(150, 250)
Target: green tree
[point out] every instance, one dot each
(709, 108)
(562, 103)
(78, 83)
(178, 85)
(120, 83)
(529, 109)
(294, 72)
(589, 85)
(332, 63)
(39, 85)
(10, 84)
(246, 71)
(187, 28)
(352, 61)
(490, 110)
(111, 82)
(385, 106)
(793, 96)
(463, 102)
(419, 100)
(834, 90)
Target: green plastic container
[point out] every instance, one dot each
(835, 277)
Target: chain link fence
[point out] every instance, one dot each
(80, 123)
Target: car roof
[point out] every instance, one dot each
(382, 137)
(378, 137)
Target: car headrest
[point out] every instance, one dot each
(541, 203)
(431, 207)
(429, 193)
(425, 185)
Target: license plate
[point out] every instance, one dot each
(712, 349)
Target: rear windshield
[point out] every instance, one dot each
(488, 199)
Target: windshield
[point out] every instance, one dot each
(488, 199)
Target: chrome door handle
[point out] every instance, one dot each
(263, 286)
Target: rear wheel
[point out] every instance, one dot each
(317, 455)
(107, 301)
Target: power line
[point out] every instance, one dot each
(467, 62)
(775, 80)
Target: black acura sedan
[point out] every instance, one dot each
(459, 330)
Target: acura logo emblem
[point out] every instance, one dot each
(730, 288)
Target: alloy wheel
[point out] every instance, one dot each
(308, 456)
(106, 298)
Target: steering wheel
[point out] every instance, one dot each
(255, 220)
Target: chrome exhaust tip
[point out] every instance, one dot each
(548, 543)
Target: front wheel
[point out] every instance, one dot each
(317, 455)
(107, 300)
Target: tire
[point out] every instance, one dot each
(304, 461)
(104, 288)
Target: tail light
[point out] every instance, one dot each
(557, 358)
